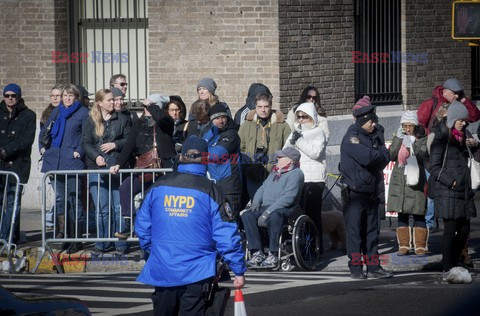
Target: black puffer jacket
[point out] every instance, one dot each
(448, 163)
(17, 134)
(117, 129)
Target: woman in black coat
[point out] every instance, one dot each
(453, 194)
(139, 142)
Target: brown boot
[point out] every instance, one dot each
(420, 238)
(403, 238)
(465, 257)
(61, 227)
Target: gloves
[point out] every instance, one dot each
(262, 220)
(295, 136)
(403, 155)
(400, 132)
(3, 154)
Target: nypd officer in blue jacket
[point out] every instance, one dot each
(363, 157)
(183, 223)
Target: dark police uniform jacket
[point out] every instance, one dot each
(362, 157)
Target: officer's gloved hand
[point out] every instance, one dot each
(262, 220)
(295, 136)
(3, 154)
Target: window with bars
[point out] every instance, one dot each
(111, 36)
(377, 48)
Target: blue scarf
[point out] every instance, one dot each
(58, 128)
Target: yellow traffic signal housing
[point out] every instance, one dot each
(466, 20)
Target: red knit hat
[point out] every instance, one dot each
(365, 101)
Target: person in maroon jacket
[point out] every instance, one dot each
(451, 90)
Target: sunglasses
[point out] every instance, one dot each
(303, 117)
(123, 84)
(313, 97)
(10, 95)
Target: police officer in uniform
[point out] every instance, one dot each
(182, 224)
(363, 156)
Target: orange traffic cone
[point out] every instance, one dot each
(239, 304)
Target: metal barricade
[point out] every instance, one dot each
(7, 184)
(71, 200)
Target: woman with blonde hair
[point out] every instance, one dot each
(104, 135)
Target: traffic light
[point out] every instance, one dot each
(466, 20)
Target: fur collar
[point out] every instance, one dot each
(276, 117)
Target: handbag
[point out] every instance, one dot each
(412, 170)
(474, 170)
(149, 160)
(46, 139)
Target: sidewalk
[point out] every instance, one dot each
(332, 260)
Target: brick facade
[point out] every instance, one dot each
(427, 28)
(233, 41)
(30, 30)
(316, 40)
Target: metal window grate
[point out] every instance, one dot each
(377, 30)
(114, 34)
(475, 73)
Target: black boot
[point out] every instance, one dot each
(125, 234)
(75, 246)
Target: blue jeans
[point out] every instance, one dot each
(7, 210)
(108, 222)
(74, 219)
(430, 213)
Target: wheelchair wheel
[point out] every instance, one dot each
(306, 243)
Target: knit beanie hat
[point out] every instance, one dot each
(456, 111)
(194, 142)
(118, 93)
(14, 88)
(216, 111)
(409, 117)
(365, 101)
(208, 84)
(453, 84)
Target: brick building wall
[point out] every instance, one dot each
(427, 28)
(316, 40)
(30, 30)
(233, 41)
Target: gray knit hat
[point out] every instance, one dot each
(207, 83)
(409, 117)
(453, 84)
(456, 111)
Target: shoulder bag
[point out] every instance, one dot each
(46, 139)
(149, 160)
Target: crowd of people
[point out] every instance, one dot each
(264, 163)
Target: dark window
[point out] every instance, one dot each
(475, 73)
(377, 54)
(111, 36)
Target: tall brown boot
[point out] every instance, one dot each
(403, 238)
(420, 238)
(61, 226)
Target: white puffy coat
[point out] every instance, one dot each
(312, 146)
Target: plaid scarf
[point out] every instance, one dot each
(278, 172)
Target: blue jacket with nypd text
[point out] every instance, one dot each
(224, 157)
(362, 157)
(183, 224)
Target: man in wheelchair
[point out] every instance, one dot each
(274, 201)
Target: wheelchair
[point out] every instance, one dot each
(299, 239)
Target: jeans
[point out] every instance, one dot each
(7, 190)
(430, 213)
(108, 222)
(74, 219)
(274, 227)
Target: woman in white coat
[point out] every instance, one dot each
(309, 138)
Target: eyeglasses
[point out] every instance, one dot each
(173, 110)
(313, 97)
(123, 84)
(55, 96)
(6, 96)
(303, 117)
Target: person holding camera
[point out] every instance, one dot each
(310, 139)
(263, 132)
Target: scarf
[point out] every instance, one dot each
(58, 128)
(458, 135)
(278, 172)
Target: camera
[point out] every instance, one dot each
(261, 155)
